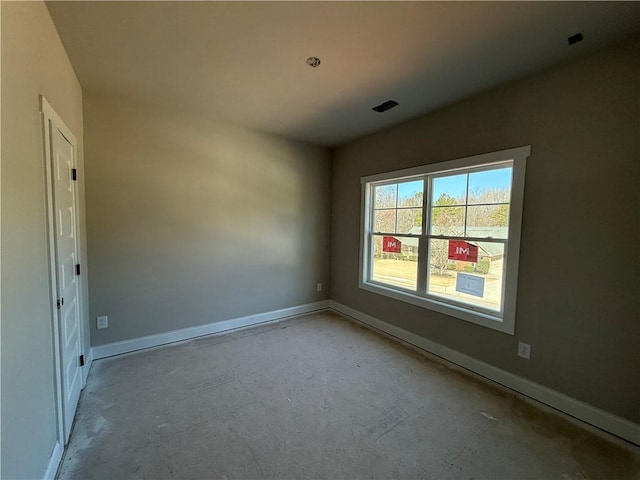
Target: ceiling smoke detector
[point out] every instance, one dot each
(313, 61)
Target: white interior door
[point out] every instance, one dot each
(67, 284)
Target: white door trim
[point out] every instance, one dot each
(51, 118)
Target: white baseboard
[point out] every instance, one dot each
(127, 346)
(587, 413)
(54, 462)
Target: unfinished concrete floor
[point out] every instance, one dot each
(318, 396)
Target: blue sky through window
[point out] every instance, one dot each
(455, 185)
(407, 190)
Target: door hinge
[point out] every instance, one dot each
(74, 174)
(60, 302)
(77, 269)
(82, 360)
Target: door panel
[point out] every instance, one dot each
(69, 327)
(66, 224)
(66, 272)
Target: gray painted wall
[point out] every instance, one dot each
(579, 270)
(192, 221)
(33, 63)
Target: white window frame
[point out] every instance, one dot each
(504, 321)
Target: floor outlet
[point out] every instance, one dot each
(524, 350)
(102, 322)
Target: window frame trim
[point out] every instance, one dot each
(504, 323)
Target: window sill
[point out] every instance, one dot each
(479, 318)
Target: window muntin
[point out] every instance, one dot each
(421, 214)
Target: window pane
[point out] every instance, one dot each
(451, 190)
(384, 221)
(410, 194)
(396, 269)
(385, 196)
(490, 186)
(488, 221)
(447, 221)
(471, 283)
(410, 220)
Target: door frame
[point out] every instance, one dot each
(50, 119)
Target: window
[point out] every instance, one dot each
(446, 236)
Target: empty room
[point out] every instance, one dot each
(282, 240)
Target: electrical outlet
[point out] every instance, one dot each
(102, 322)
(524, 350)
(319, 287)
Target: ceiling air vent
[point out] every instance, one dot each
(383, 107)
(578, 37)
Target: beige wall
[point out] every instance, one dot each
(33, 63)
(578, 282)
(191, 221)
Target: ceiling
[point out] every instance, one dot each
(244, 62)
